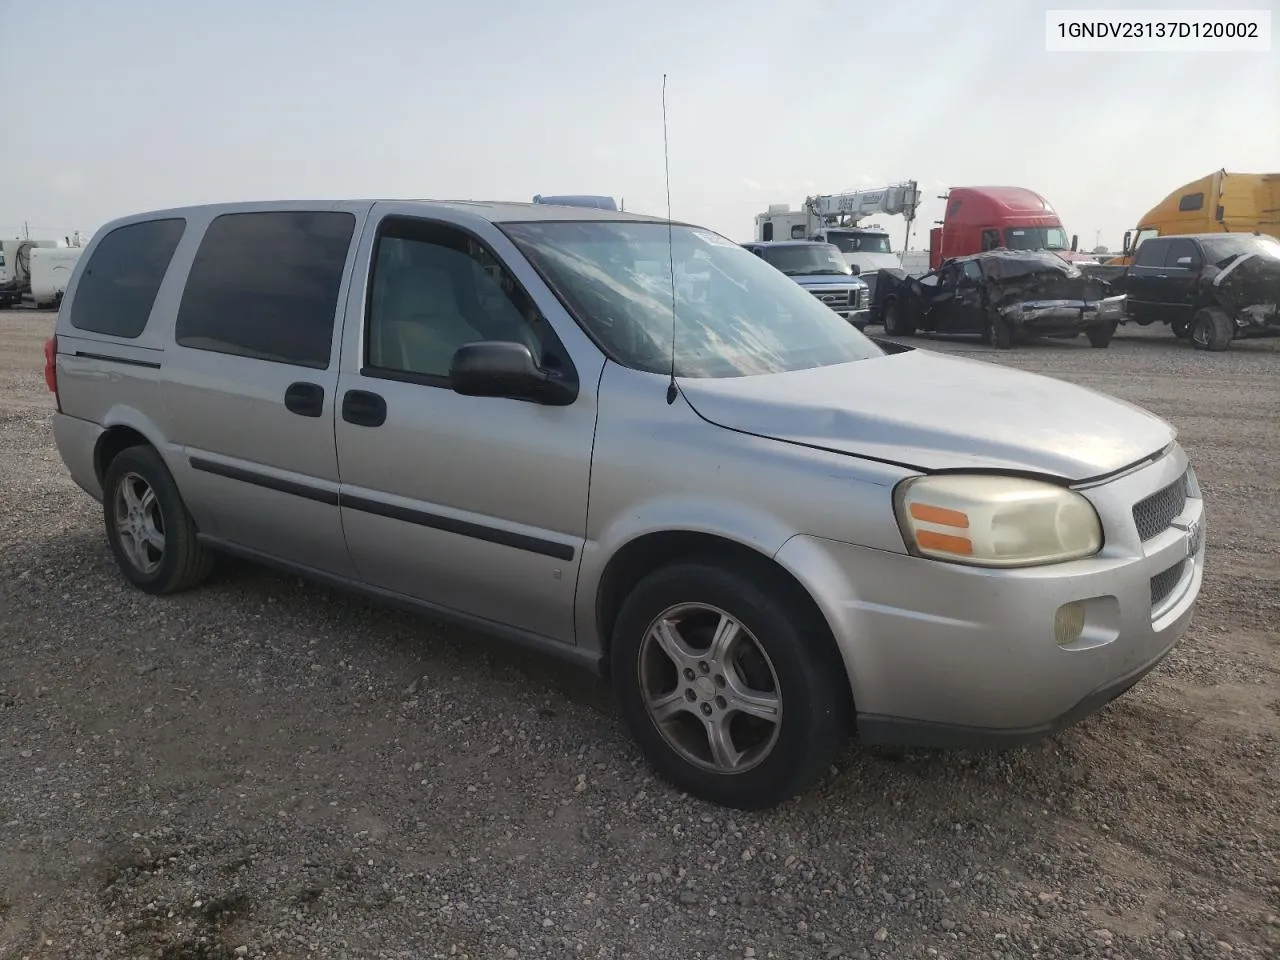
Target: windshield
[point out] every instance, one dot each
(735, 314)
(807, 259)
(1036, 238)
(1222, 250)
(860, 242)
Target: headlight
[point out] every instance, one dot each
(1193, 484)
(991, 521)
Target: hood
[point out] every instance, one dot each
(932, 412)
(1248, 280)
(1075, 256)
(828, 280)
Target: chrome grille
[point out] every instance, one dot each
(1162, 584)
(835, 299)
(1152, 515)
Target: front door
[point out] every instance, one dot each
(472, 504)
(942, 306)
(967, 314)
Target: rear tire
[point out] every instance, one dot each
(149, 529)
(1211, 329)
(896, 323)
(1100, 336)
(680, 700)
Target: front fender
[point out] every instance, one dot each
(734, 523)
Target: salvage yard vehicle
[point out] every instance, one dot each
(1211, 287)
(1004, 295)
(821, 269)
(1220, 202)
(764, 527)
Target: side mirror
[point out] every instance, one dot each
(1128, 235)
(1075, 242)
(1183, 261)
(503, 369)
(854, 269)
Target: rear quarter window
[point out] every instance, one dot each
(118, 287)
(265, 285)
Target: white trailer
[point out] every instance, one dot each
(50, 270)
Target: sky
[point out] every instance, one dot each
(116, 108)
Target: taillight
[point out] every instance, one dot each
(51, 368)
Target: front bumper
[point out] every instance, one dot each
(1258, 320)
(1065, 314)
(944, 654)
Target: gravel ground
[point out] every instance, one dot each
(266, 768)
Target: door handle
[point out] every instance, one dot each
(364, 409)
(304, 399)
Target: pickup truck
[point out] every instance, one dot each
(821, 269)
(1211, 288)
(1003, 295)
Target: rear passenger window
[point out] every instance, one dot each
(265, 285)
(119, 284)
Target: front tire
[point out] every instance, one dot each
(151, 534)
(729, 682)
(1181, 328)
(1211, 329)
(1100, 336)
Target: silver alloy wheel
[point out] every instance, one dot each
(139, 523)
(710, 688)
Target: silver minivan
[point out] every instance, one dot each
(766, 528)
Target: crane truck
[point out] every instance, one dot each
(836, 218)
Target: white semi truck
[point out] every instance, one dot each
(837, 218)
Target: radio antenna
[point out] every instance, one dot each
(672, 389)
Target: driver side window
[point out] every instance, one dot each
(434, 288)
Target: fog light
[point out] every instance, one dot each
(1068, 623)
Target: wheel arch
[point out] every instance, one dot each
(652, 551)
(123, 427)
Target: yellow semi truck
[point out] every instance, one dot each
(1220, 202)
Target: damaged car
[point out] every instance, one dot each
(1006, 296)
(1210, 288)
